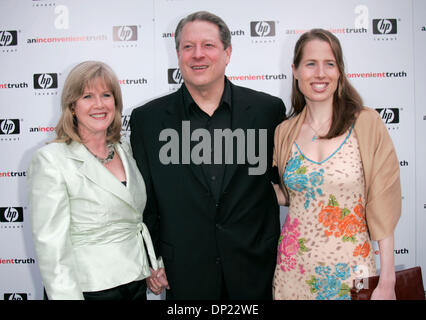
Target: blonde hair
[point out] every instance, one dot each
(81, 76)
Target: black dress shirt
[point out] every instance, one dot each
(220, 119)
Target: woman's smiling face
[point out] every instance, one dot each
(317, 73)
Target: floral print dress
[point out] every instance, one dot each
(324, 243)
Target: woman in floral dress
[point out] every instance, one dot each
(340, 178)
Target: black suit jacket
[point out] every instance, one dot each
(196, 236)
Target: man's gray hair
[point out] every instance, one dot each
(225, 34)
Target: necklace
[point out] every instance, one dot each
(109, 157)
(316, 135)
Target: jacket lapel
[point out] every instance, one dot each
(242, 118)
(135, 183)
(173, 120)
(93, 170)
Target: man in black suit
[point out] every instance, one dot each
(205, 152)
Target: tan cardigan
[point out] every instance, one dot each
(380, 164)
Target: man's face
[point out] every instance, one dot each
(202, 57)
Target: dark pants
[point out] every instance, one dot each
(135, 290)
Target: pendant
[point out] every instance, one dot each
(314, 138)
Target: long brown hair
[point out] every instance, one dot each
(347, 103)
(82, 75)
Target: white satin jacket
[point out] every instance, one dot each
(87, 226)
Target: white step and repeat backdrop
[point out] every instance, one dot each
(384, 45)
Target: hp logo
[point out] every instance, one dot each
(15, 296)
(125, 33)
(45, 81)
(9, 126)
(174, 76)
(262, 28)
(11, 214)
(384, 26)
(389, 115)
(8, 38)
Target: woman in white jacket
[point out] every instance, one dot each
(87, 197)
